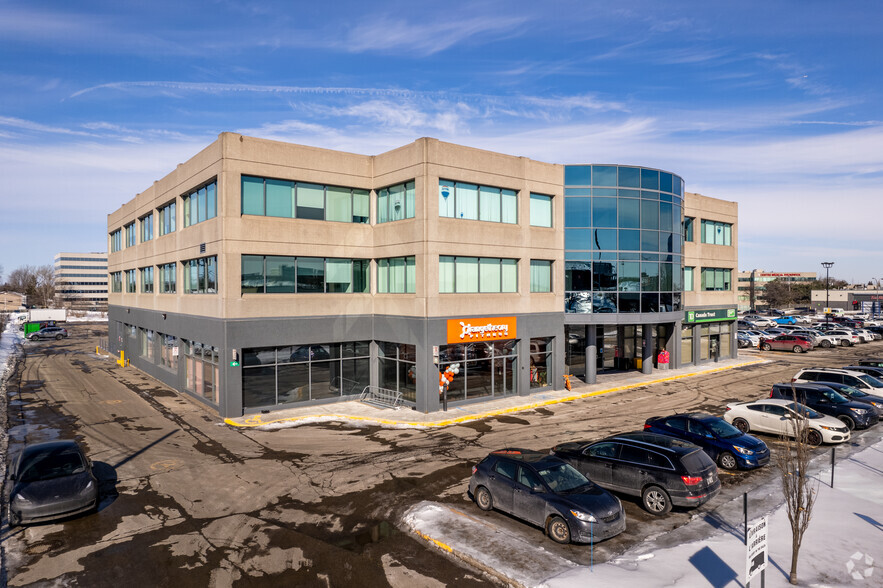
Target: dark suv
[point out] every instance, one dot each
(723, 442)
(825, 400)
(857, 395)
(662, 470)
(546, 491)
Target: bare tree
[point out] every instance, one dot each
(45, 287)
(799, 490)
(23, 280)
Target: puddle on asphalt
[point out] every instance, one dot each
(374, 534)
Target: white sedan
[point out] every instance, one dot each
(778, 417)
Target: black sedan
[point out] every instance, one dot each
(545, 491)
(661, 470)
(51, 480)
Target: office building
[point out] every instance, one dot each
(81, 281)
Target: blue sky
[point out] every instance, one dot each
(774, 105)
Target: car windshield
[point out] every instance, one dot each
(723, 429)
(854, 392)
(52, 463)
(871, 381)
(562, 478)
(804, 410)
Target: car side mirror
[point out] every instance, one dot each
(537, 488)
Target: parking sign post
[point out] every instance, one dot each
(756, 551)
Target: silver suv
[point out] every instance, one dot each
(48, 333)
(849, 377)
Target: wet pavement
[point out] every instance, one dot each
(190, 501)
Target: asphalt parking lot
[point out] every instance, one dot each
(190, 501)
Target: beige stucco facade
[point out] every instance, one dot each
(426, 236)
(704, 255)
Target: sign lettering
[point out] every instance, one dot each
(481, 329)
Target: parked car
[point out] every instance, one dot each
(825, 400)
(786, 320)
(876, 372)
(865, 335)
(777, 417)
(786, 343)
(51, 480)
(546, 491)
(855, 379)
(848, 338)
(817, 338)
(858, 395)
(48, 333)
(662, 470)
(759, 321)
(724, 443)
(871, 362)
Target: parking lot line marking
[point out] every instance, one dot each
(258, 420)
(444, 546)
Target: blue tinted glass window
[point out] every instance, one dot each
(665, 197)
(630, 177)
(650, 179)
(604, 175)
(604, 255)
(604, 278)
(633, 256)
(630, 240)
(665, 303)
(665, 222)
(578, 239)
(604, 212)
(666, 277)
(676, 220)
(666, 241)
(577, 191)
(603, 303)
(578, 275)
(604, 192)
(649, 256)
(649, 240)
(629, 276)
(605, 239)
(649, 276)
(629, 302)
(649, 195)
(649, 214)
(650, 302)
(629, 213)
(577, 255)
(665, 182)
(577, 212)
(678, 185)
(578, 175)
(624, 193)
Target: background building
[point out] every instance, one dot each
(12, 301)
(753, 283)
(81, 281)
(261, 274)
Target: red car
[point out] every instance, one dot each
(786, 343)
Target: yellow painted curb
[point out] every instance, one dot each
(258, 421)
(437, 543)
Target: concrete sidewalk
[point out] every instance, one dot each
(355, 411)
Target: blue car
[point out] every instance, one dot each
(786, 320)
(724, 443)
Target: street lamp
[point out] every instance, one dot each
(827, 265)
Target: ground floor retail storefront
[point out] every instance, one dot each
(694, 337)
(257, 365)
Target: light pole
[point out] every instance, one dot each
(827, 265)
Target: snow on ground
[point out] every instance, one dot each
(9, 340)
(88, 316)
(843, 545)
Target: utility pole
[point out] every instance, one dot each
(827, 265)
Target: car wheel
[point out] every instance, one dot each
(825, 344)
(742, 425)
(845, 343)
(765, 347)
(850, 424)
(58, 337)
(813, 438)
(727, 461)
(656, 500)
(34, 337)
(483, 498)
(13, 519)
(797, 349)
(558, 530)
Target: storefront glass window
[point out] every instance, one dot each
(486, 369)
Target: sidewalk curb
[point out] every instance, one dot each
(258, 420)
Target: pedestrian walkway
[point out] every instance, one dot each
(355, 411)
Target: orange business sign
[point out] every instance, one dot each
(481, 329)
